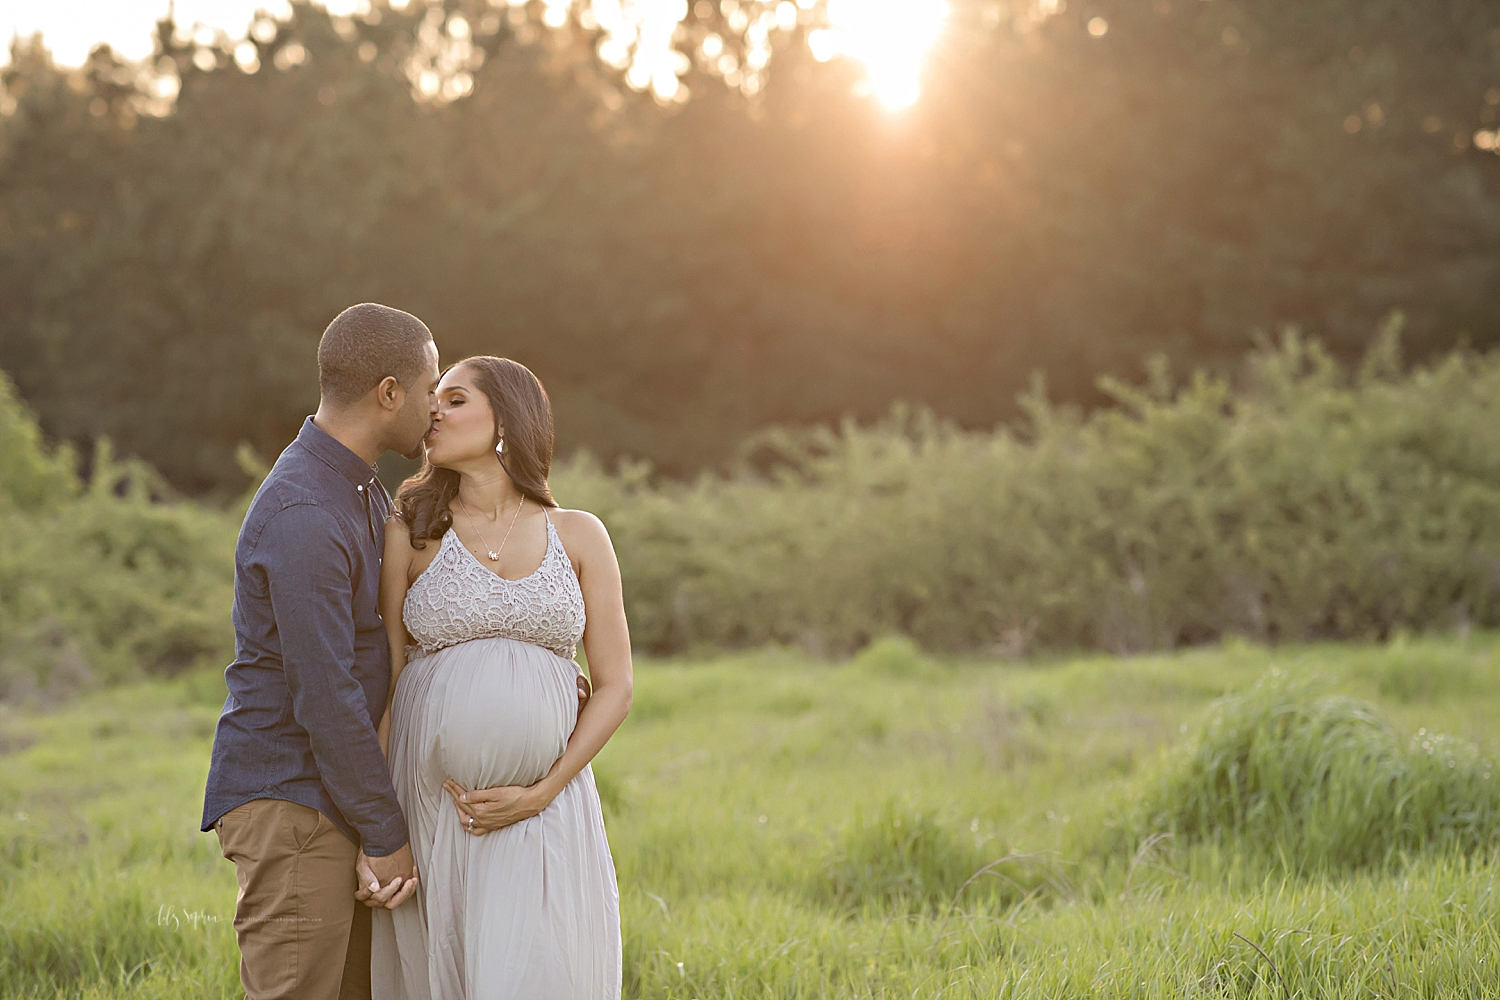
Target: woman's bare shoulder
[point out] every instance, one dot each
(580, 530)
(580, 520)
(397, 538)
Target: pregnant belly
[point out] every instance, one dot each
(505, 712)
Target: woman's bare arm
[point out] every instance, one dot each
(606, 644)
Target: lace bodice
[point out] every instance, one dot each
(457, 599)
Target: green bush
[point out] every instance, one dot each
(892, 656)
(900, 859)
(1320, 783)
(1307, 502)
(1303, 502)
(101, 581)
(1426, 673)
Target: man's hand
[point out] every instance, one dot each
(584, 690)
(388, 881)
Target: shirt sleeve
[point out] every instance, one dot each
(310, 576)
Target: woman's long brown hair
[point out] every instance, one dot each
(520, 405)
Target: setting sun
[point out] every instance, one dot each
(890, 37)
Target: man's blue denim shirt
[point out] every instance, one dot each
(312, 664)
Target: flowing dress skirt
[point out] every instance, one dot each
(528, 912)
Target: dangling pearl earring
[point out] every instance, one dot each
(500, 449)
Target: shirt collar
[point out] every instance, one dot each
(335, 455)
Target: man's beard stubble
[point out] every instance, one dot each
(415, 454)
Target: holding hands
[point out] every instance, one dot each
(390, 881)
(385, 882)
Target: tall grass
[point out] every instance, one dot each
(897, 859)
(789, 828)
(1322, 783)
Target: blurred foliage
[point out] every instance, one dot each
(1312, 501)
(1309, 501)
(175, 235)
(893, 656)
(103, 581)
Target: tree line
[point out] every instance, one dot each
(1081, 184)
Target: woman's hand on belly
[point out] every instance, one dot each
(488, 809)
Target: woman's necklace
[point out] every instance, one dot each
(494, 554)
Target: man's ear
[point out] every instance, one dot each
(389, 393)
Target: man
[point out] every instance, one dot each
(298, 789)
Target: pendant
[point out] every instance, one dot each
(494, 556)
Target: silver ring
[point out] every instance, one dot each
(471, 822)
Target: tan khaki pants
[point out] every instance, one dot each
(302, 934)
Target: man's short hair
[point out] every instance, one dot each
(366, 343)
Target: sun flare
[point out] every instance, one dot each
(891, 38)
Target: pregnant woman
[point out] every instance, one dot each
(516, 896)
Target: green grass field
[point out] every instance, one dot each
(784, 828)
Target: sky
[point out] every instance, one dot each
(72, 27)
(891, 38)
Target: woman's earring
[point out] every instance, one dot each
(500, 449)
